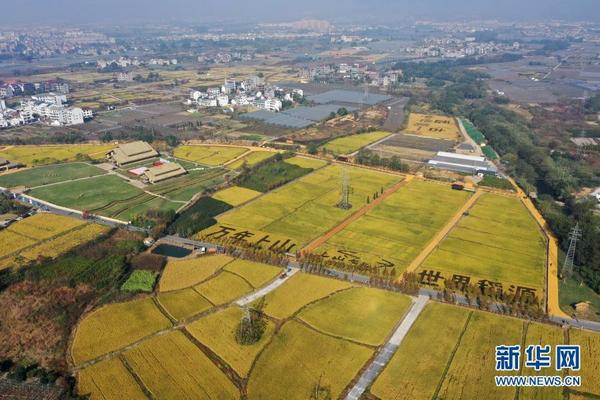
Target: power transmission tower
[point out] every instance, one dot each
(345, 192)
(574, 236)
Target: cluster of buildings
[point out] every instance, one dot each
(351, 72)
(451, 47)
(12, 89)
(463, 163)
(125, 62)
(251, 92)
(49, 108)
(139, 152)
(225, 58)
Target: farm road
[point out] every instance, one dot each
(388, 350)
(267, 289)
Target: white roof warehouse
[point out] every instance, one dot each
(463, 163)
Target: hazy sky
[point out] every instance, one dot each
(122, 11)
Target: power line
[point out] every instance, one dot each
(574, 236)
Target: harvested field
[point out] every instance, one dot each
(433, 126)
(419, 142)
(187, 273)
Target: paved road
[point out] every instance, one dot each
(267, 289)
(388, 350)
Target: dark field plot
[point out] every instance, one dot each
(419, 142)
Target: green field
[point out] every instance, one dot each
(140, 281)
(396, 230)
(106, 195)
(185, 187)
(498, 240)
(302, 210)
(305, 162)
(299, 358)
(337, 315)
(49, 174)
(352, 143)
(272, 175)
(209, 155)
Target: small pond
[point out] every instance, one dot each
(170, 250)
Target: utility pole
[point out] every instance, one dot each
(344, 192)
(574, 236)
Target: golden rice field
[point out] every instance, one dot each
(224, 288)
(236, 195)
(256, 274)
(337, 315)
(434, 126)
(182, 274)
(44, 226)
(11, 242)
(352, 143)
(498, 240)
(114, 326)
(590, 360)
(31, 155)
(297, 292)
(172, 367)
(251, 159)
(109, 379)
(299, 358)
(184, 303)
(209, 155)
(217, 332)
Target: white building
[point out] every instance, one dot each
(222, 100)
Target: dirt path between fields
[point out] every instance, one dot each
(353, 217)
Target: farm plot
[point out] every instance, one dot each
(108, 380)
(256, 274)
(393, 233)
(251, 159)
(412, 147)
(352, 143)
(305, 162)
(217, 332)
(51, 154)
(172, 367)
(419, 364)
(472, 370)
(184, 303)
(308, 358)
(224, 288)
(337, 314)
(44, 226)
(209, 155)
(49, 174)
(236, 195)
(292, 215)
(497, 241)
(187, 273)
(434, 126)
(114, 326)
(590, 354)
(272, 175)
(298, 291)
